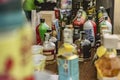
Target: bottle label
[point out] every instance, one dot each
(49, 54)
(90, 35)
(50, 57)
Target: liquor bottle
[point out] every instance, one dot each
(101, 13)
(68, 35)
(43, 27)
(108, 66)
(68, 66)
(85, 47)
(105, 25)
(78, 25)
(15, 42)
(84, 14)
(63, 24)
(38, 39)
(49, 49)
(90, 30)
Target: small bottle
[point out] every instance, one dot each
(49, 49)
(85, 47)
(43, 27)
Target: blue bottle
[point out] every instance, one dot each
(68, 67)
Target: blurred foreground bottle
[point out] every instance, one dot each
(108, 66)
(15, 43)
(90, 30)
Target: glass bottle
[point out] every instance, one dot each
(38, 39)
(109, 64)
(49, 49)
(78, 26)
(68, 35)
(43, 27)
(85, 47)
(90, 30)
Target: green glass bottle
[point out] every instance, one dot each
(43, 27)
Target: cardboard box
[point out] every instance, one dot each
(49, 16)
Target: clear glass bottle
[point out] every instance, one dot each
(49, 49)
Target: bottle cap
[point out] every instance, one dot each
(42, 20)
(110, 41)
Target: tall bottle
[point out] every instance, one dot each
(49, 49)
(108, 66)
(90, 30)
(43, 27)
(101, 13)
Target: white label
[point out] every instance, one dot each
(47, 53)
(76, 31)
(90, 36)
(50, 57)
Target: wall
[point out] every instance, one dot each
(117, 17)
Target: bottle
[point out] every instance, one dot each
(49, 49)
(90, 30)
(64, 20)
(68, 35)
(38, 39)
(85, 47)
(108, 66)
(68, 66)
(43, 27)
(105, 25)
(15, 42)
(78, 25)
(101, 13)
(57, 13)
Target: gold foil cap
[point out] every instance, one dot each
(68, 56)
